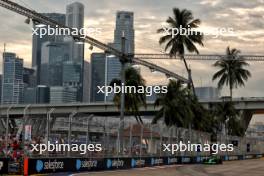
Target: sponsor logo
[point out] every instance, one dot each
(233, 157)
(156, 161)
(1, 165)
(39, 165)
(114, 163)
(85, 164)
(249, 156)
(186, 160)
(48, 165)
(172, 160)
(137, 162)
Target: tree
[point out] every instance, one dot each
(133, 101)
(175, 107)
(202, 118)
(176, 42)
(227, 117)
(231, 70)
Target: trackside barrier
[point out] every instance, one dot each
(52, 165)
(3, 166)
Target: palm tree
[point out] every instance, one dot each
(133, 101)
(227, 117)
(231, 70)
(175, 108)
(176, 44)
(202, 119)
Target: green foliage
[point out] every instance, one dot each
(133, 101)
(225, 113)
(178, 43)
(231, 70)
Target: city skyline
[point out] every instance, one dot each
(147, 21)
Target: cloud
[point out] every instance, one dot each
(246, 17)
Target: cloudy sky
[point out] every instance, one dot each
(246, 18)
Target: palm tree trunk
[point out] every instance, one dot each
(231, 92)
(190, 83)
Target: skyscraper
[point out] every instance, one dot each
(97, 76)
(86, 81)
(75, 19)
(125, 26)
(53, 54)
(113, 69)
(37, 43)
(12, 81)
(59, 94)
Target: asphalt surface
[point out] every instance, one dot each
(231, 168)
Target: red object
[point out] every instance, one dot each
(26, 166)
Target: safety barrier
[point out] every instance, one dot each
(74, 165)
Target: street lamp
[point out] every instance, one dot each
(122, 103)
(119, 138)
(48, 124)
(70, 128)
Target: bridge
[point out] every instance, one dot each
(248, 106)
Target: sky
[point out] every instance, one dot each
(246, 18)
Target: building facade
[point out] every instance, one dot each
(53, 55)
(12, 81)
(60, 94)
(125, 26)
(207, 93)
(98, 68)
(37, 42)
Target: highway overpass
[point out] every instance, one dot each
(248, 106)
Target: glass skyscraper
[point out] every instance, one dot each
(98, 75)
(75, 19)
(62, 94)
(52, 57)
(12, 81)
(125, 26)
(37, 43)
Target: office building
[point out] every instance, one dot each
(12, 81)
(86, 81)
(207, 93)
(125, 26)
(42, 94)
(30, 95)
(60, 94)
(75, 19)
(29, 77)
(98, 68)
(71, 72)
(52, 57)
(37, 42)
(36, 95)
(71, 77)
(113, 71)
